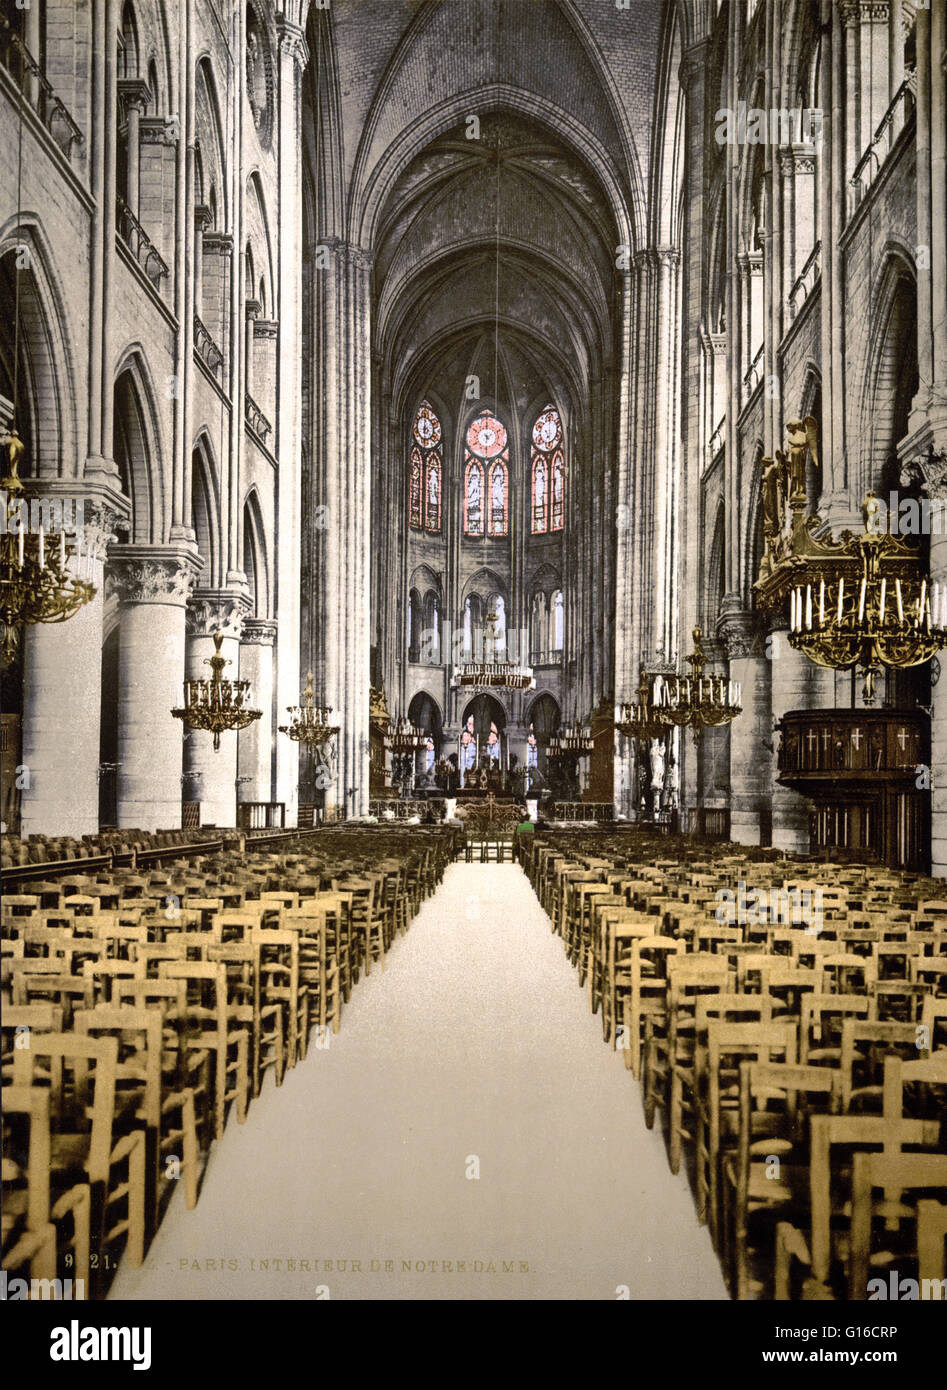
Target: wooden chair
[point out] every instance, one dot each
(770, 1170)
(897, 1174)
(82, 1076)
(210, 1030)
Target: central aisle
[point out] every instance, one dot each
(474, 1050)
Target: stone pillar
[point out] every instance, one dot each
(152, 584)
(253, 308)
(211, 777)
(751, 736)
(135, 96)
(293, 57)
(62, 696)
(255, 743)
(931, 474)
(202, 221)
(797, 683)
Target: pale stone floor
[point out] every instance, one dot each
(474, 1049)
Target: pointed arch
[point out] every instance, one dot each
(136, 446)
(205, 512)
(890, 379)
(46, 410)
(254, 557)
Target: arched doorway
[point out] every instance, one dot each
(544, 720)
(424, 713)
(483, 741)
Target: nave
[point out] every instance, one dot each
(474, 1043)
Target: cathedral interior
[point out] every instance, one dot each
(483, 437)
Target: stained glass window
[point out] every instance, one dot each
(417, 470)
(488, 467)
(548, 473)
(499, 499)
(473, 499)
(426, 470)
(432, 510)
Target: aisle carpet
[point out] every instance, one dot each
(467, 1135)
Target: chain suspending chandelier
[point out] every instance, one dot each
(490, 673)
(864, 601)
(309, 722)
(216, 705)
(45, 577)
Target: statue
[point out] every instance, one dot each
(803, 441)
(657, 772)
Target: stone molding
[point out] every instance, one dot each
(152, 573)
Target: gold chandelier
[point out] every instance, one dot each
(402, 738)
(698, 701)
(571, 742)
(860, 602)
(642, 719)
(309, 722)
(216, 705)
(490, 673)
(44, 579)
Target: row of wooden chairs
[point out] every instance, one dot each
(782, 1048)
(140, 1008)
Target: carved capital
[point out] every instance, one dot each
(265, 328)
(202, 217)
(218, 244)
(258, 632)
(216, 610)
(134, 94)
(156, 130)
(152, 573)
(929, 472)
(292, 42)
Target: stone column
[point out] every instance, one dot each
(255, 743)
(152, 584)
(211, 777)
(751, 736)
(797, 683)
(931, 474)
(293, 57)
(135, 96)
(202, 221)
(62, 697)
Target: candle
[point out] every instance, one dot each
(841, 597)
(62, 549)
(861, 600)
(884, 590)
(42, 549)
(20, 543)
(821, 603)
(792, 610)
(809, 607)
(897, 594)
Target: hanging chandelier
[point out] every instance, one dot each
(642, 719)
(402, 738)
(697, 701)
(309, 722)
(571, 742)
(45, 578)
(490, 673)
(862, 602)
(216, 705)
